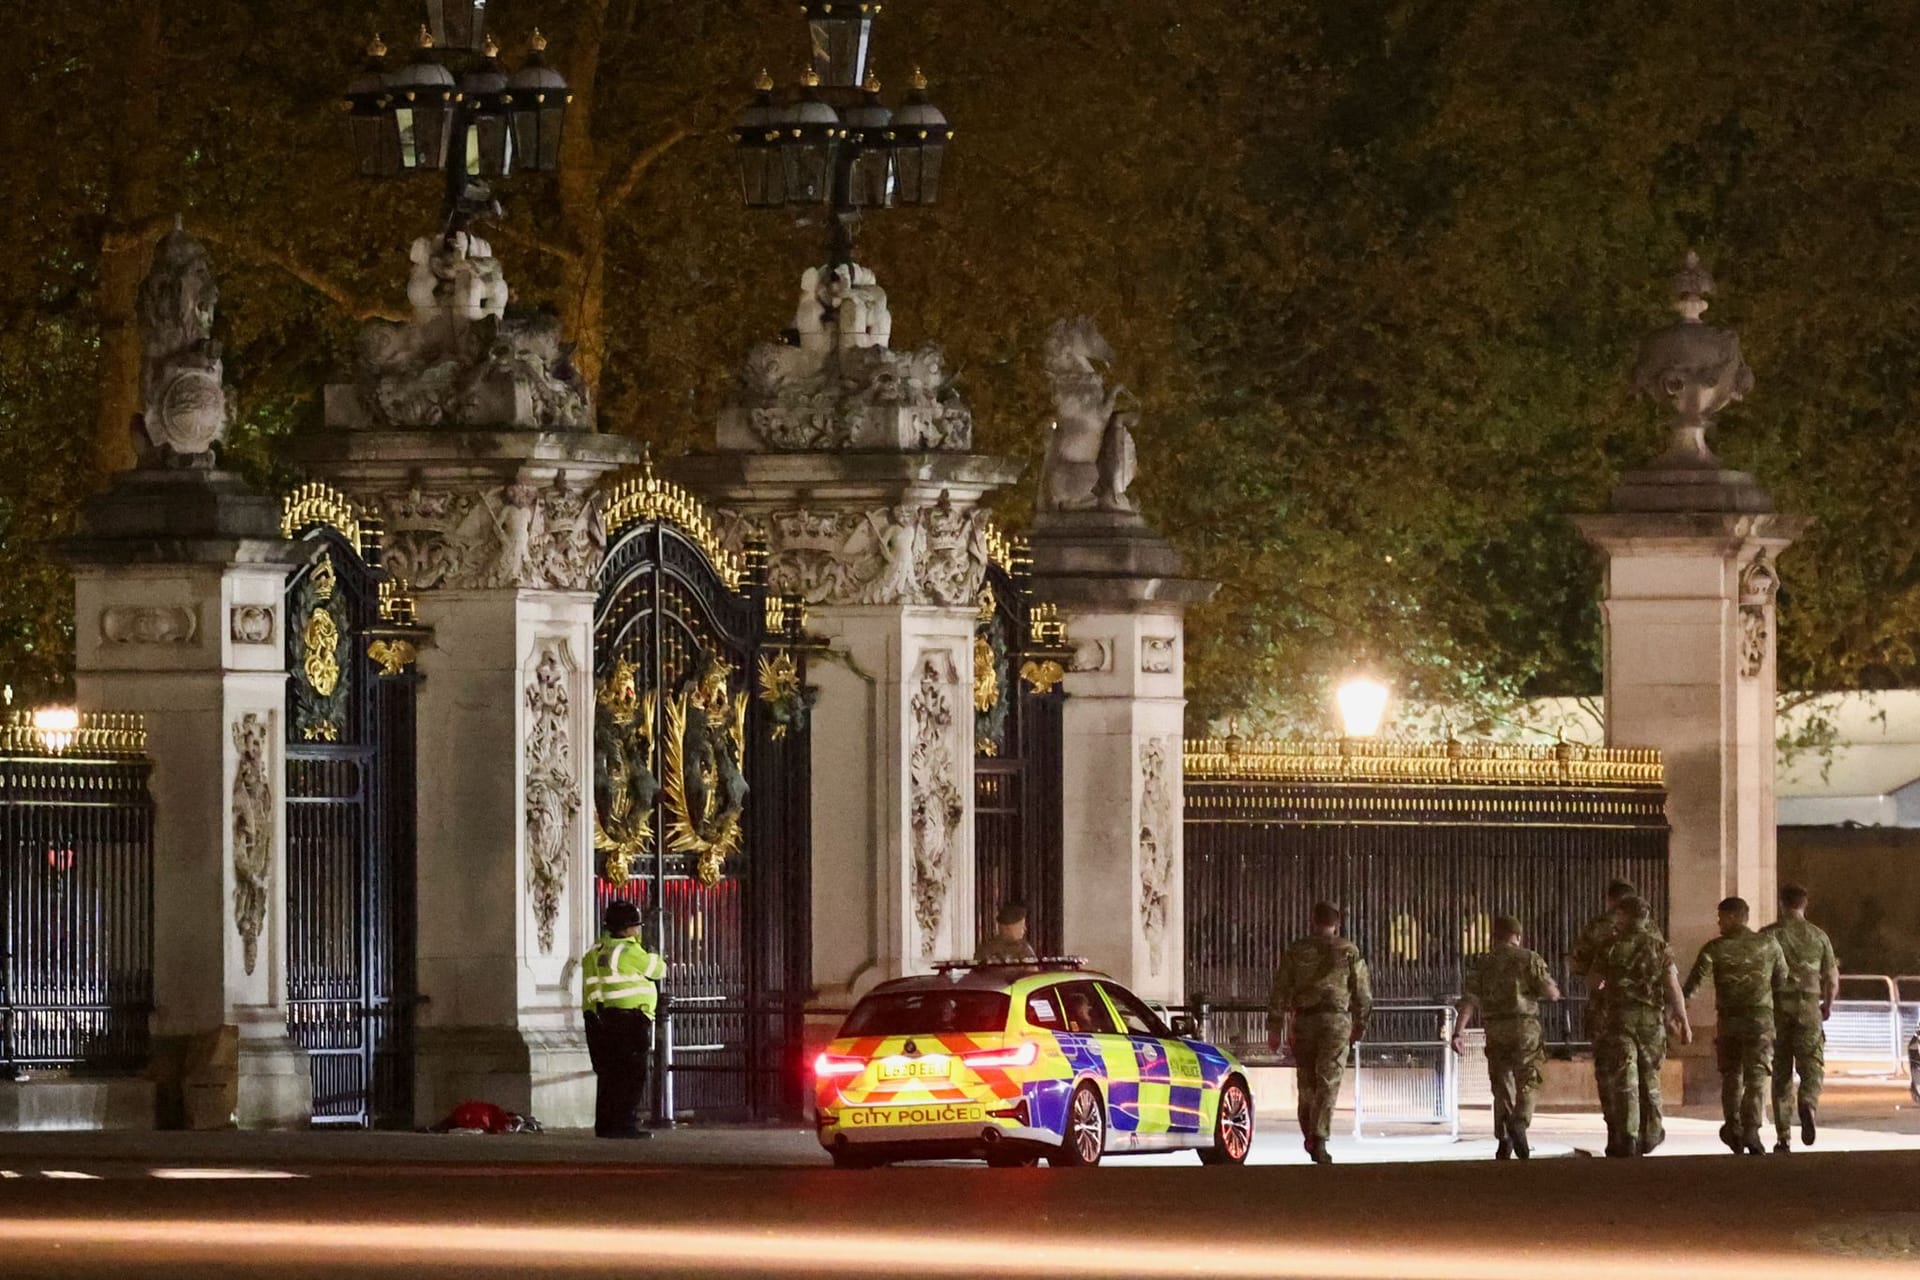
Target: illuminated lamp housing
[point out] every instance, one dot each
(920, 137)
(537, 98)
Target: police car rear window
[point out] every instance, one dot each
(918, 1013)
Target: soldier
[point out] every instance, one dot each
(1746, 968)
(1320, 1004)
(1007, 944)
(1506, 987)
(1813, 980)
(1636, 972)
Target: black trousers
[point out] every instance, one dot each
(619, 1041)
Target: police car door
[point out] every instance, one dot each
(1169, 1070)
(1091, 1024)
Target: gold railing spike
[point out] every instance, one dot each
(647, 497)
(1452, 761)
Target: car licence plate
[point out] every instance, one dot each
(914, 1069)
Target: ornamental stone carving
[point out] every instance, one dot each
(1157, 653)
(1156, 849)
(937, 804)
(149, 624)
(552, 786)
(182, 377)
(1759, 581)
(1090, 456)
(252, 832)
(833, 383)
(1091, 654)
(251, 624)
(462, 361)
(516, 535)
(1694, 368)
(887, 555)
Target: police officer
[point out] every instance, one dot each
(1320, 1003)
(1007, 944)
(1505, 988)
(617, 992)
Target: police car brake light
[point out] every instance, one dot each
(1023, 1054)
(835, 1064)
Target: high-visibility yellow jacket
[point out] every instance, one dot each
(619, 973)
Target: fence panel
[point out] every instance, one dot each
(1864, 1033)
(76, 885)
(1405, 1075)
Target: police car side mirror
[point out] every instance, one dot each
(1185, 1027)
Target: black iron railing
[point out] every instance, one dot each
(76, 884)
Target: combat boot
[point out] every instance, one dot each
(1317, 1151)
(1783, 1147)
(1517, 1134)
(1731, 1136)
(1751, 1140)
(1807, 1130)
(1503, 1150)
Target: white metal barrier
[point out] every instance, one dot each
(1407, 1078)
(1476, 1088)
(1867, 1036)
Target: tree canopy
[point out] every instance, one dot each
(1375, 271)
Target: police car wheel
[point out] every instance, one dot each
(1233, 1128)
(1085, 1140)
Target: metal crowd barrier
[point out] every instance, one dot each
(1867, 1035)
(1405, 1073)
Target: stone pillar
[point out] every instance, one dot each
(889, 550)
(1123, 594)
(497, 535)
(1690, 548)
(178, 615)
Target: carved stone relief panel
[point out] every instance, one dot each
(933, 765)
(516, 535)
(252, 831)
(927, 554)
(251, 624)
(553, 784)
(1157, 653)
(149, 624)
(1156, 849)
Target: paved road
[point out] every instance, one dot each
(1841, 1215)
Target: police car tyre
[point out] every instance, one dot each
(1233, 1127)
(1085, 1140)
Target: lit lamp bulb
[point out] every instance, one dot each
(56, 727)
(1363, 706)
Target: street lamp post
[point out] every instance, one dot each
(1363, 706)
(480, 124)
(831, 142)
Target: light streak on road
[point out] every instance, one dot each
(657, 1250)
(219, 1175)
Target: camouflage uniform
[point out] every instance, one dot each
(1587, 950)
(1632, 1038)
(1323, 982)
(1746, 968)
(1508, 984)
(1800, 1042)
(995, 949)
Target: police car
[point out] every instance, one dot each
(1010, 1063)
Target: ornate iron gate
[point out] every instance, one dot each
(1019, 660)
(350, 817)
(702, 799)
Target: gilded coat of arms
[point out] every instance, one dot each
(706, 789)
(624, 786)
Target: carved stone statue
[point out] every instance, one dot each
(182, 377)
(1694, 368)
(835, 383)
(1090, 456)
(462, 361)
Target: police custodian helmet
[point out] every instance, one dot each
(621, 915)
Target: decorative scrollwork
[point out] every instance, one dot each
(321, 657)
(650, 498)
(705, 788)
(319, 504)
(1042, 676)
(394, 656)
(624, 787)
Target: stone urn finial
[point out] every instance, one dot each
(1694, 368)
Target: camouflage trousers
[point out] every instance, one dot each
(1743, 1050)
(1626, 1067)
(1514, 1056)
(1799, 1048)
(1320, 1059)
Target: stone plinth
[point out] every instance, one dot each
(165, 564)
(889, 550)
(1123, 594)
(1690, 631)
(498, 537)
